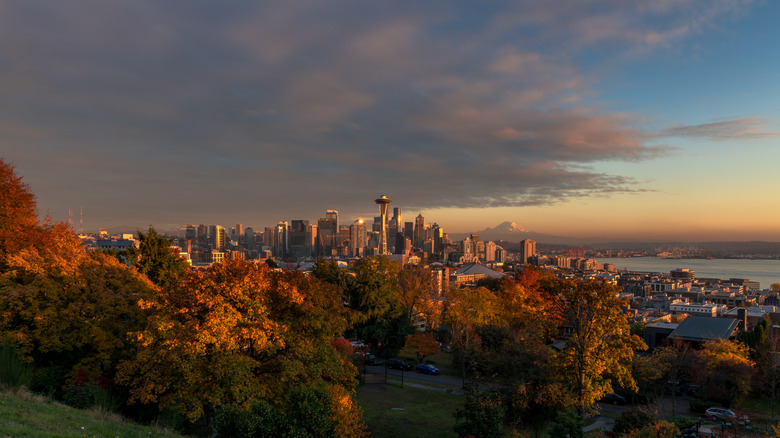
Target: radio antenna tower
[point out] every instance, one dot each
(70, 216)
(81, 220)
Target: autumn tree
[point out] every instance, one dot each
(724, 370)
(71, 311)
(18, 213)
(673, 362)
(418, 297)
(421, 345)
(467, 310)
(154, 258)
(239, 332)
(601, 346)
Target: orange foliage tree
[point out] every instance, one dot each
(601, 347)
(239, 332)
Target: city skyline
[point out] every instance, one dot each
(591, 119)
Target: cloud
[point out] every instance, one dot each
(284, 109)
(725, 130)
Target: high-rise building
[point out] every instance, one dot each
(268, 237)
(357, 238)
(249, 238)
(300, 239)
(409, 230)
(327, 233)
(239, 230)
(383, 202)
(419, 231)
(281, 243)
(395, 222)
(219, 238)
(527, 250)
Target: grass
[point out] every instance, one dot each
(390, 411)
(23, 414)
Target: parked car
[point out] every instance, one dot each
(399, 364)
(724, 414)
(615, 399)
(425, 368)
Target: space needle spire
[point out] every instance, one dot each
(383, 202)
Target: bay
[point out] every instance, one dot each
(765, 272)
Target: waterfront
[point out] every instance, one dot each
(765, 272)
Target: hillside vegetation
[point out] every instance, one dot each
(23, 414)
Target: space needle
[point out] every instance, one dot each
(383, 203)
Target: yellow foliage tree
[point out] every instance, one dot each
(601, 347)
(239, 332)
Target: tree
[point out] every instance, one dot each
(724, 371)
(466, 311)
(417, 296)
(154, 258)
(373, 295)
(18, 213)
(236, 333)
(71, 313)
(482, 415)
(421, 345)
(673, 360)
(601, 346)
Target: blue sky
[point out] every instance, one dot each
(582, 118)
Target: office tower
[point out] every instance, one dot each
(377, 225)
(189, 232)
(300, 239)
(490, 251)
(357, 238)
(239, 230)
(280, 239)
(409, 230)
(383, 202)
(419, 231)
(249, 238)
(327, 233)
(395, 223)
(268, 237)
(436, 235)
(218, 238)
(527, 250)
(202, 235)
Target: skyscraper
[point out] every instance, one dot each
(281, 239)
(383, 202)
(419, 231)
(327, 233)
(527, 250)
(357, 238)
(219, 237)
(300, 239)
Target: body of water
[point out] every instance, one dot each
(765, 272)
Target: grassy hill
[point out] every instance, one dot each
(23, 414)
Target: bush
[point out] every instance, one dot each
(14, 372)
(683, 422)
(633, 420)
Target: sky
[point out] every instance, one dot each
(629, 120)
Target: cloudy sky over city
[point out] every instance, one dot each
(653, 119)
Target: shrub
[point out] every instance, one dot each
(633, 420)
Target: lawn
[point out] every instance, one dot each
(23, 414)
(391, 411)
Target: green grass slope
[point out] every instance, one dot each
(23, 414)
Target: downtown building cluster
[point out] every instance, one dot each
(299, 241)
